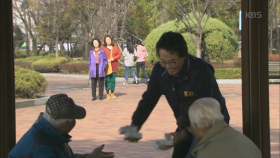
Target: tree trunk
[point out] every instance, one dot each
(277, 45)
(198, 43)
(61, 47)
(68, 47)
(85, 56)
(198, 49)
(271, 37)
(34, 46)
(115, 26)
(27, 44)
(56, 46)
(51, 47)
(27, 35)
(126, 6)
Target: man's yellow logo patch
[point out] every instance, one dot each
(188, 93)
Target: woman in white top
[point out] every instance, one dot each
(129, 54)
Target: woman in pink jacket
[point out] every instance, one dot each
(141, 55)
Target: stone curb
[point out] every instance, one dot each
(142, 80)
(31, 102)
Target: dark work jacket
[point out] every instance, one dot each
(196, 78)
(41, 141)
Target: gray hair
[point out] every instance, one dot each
(205, 112)
(56, 123)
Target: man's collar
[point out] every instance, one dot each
(48, 128)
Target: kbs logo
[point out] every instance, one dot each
(253, 14)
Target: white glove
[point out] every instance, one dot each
(164, 144)
(130, 135)
(131, 132)
(131, 129)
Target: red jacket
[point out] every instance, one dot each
(116, 54)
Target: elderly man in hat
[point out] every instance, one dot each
(48, 137)
(216, 139)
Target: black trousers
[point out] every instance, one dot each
(100, 84)
(181, 150)
(142, 65)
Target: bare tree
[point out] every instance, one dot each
(21, 12)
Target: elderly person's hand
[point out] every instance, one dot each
(109, 60)
(177, 137)
(112, 59)
(98, 153)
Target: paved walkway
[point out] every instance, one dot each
(104, 118)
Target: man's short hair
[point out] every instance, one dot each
(205, 112)
(173, 42)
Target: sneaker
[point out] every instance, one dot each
(113, 95)
(125, 82)
(108, 96)
(93, 99)
(136, 80)
(101, 98)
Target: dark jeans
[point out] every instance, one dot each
(142, 65)
(100, 83)
(181, 150)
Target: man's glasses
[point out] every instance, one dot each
(170, 63)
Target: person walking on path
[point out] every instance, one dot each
(129, 54)
(97, 62)
(113, 53)
(141, 55)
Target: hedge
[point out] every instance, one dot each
(28, 83)
(36, 58)
(228, 73)
(73, 68)
(82, 68)
(219, 41)
(48, 64)
(20, 54)
(21, 64)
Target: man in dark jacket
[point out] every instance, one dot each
(177, 76)
(48, 137)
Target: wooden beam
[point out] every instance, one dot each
(255, 92)
(7, 92)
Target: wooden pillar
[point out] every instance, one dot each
(255, 92)
(7, 94)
